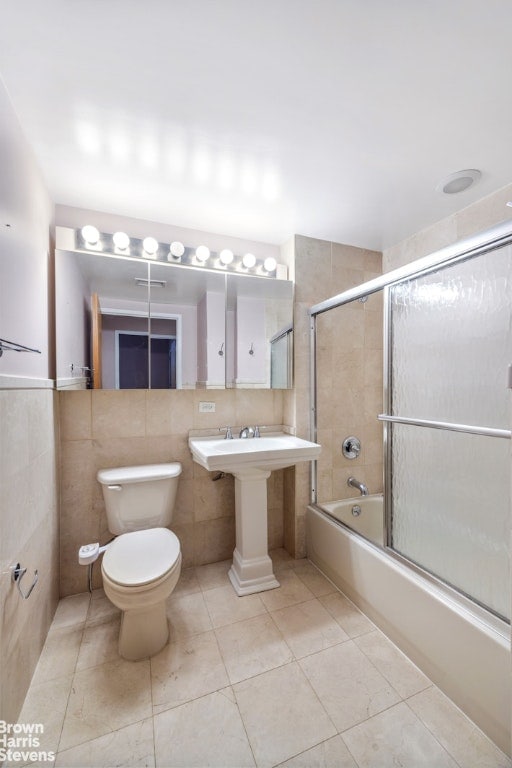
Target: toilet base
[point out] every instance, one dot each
(143, 632)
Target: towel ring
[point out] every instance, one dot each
(17, 573)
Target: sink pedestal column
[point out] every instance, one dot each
(252, 567)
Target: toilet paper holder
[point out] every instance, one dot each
(17, 573)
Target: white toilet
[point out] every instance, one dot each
(142, 565)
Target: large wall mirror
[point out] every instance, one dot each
(132, 323)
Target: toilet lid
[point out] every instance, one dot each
(140, 557)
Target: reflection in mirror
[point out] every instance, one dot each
(124, 322)
(281, 358)
(97, 297)
(193, 300)
(259, 311)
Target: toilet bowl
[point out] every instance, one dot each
(141, 566)
(140, 570)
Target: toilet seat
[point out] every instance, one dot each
(141, 557)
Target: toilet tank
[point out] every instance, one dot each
(139, 497)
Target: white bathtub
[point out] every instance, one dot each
(363, 514)
(465, 653)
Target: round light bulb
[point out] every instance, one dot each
(202, 253)
(226, 256)
(150, 245)
(249, 260)
(177, 249)
(90, 234)
(270, 264)
(121, 240)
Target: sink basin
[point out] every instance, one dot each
(274, 451)
(251, 461)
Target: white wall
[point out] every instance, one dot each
(67, 216)
(25, 264)
(250, 338)
(72, 308)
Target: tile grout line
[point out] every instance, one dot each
(72, 680)
(420, 719)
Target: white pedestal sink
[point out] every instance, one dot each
(251, 461)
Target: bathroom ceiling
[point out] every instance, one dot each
(329, 118)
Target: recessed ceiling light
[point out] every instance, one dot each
(458, 181)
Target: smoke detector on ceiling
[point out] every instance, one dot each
(458, 181)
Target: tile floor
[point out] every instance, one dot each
(294, 677)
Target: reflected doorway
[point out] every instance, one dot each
(133, 349)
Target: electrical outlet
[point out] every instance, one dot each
(206, 407)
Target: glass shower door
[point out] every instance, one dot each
(450, 344)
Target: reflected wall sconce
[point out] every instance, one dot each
(89, 238)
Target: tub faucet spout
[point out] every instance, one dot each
(361, 487)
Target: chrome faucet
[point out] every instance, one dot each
(361, 487)
(227, 430)
(246, 432)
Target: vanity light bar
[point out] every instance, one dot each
(89, 238)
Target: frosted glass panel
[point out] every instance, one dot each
(452, 342)
(450, 502)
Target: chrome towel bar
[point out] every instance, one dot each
(466, 428)
(12, 346)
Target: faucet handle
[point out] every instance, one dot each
(257, 432)
(227, 430)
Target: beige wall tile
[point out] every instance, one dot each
(255, 406)
(214, 540)
(29, 525)
(75, 409)
(484, 213)
(213, 499)
(159, 408)
(225, 409)
(312, 270)
(186, 534)
(118, 413)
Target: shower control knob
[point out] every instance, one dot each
(351, 447)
